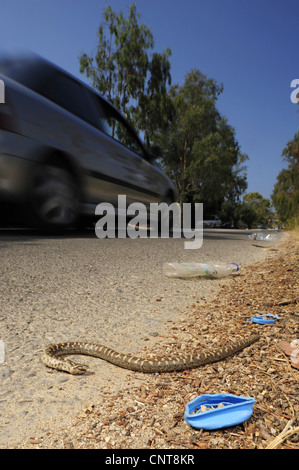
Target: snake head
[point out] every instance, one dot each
(77, 369)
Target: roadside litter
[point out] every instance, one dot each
(262, 236)
(187, 270)
(291, 349)
(218, 411)
(264, 319)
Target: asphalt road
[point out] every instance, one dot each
(79, 286)
(109, 280)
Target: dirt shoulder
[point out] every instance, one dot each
(147, 412)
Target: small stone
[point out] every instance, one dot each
(67, 444)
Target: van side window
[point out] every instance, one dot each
(68, 94)
(115, 126)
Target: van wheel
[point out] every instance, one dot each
(54, 198)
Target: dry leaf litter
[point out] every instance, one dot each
(150, 415)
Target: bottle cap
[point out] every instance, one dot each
(238, 267)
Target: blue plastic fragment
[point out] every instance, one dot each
(264, 321)
(236, 410)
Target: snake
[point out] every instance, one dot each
(52, 356)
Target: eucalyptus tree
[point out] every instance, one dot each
(126, 71)
(201, 153)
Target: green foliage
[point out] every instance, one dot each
(126, 74)
(200, 150)
(254, 210)
(285, 195)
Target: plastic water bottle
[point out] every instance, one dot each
(207, 270)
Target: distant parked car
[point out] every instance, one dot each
(226, 223)
(212, 221)
(64, 148)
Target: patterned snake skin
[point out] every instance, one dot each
(51, 357)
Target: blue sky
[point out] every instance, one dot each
(251, 46)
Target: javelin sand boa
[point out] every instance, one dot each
(51, 357)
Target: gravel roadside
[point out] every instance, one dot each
(82, 288)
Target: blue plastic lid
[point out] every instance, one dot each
(232, 410)
(264, 321)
